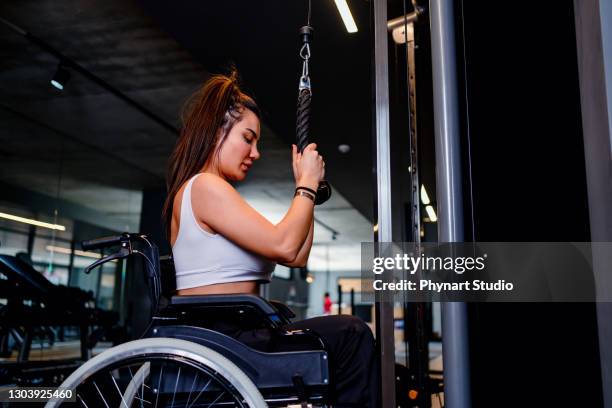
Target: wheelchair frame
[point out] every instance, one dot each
(297, 375)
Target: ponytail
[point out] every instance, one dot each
(207, 118)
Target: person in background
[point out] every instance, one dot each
(327, 304)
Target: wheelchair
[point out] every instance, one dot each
(182, 361)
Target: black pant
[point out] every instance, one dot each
(353, 360)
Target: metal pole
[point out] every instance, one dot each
(384, 310)
(449, 195)
(71, 263)
(339, 299)
(594, 51)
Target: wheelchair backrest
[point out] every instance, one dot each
(167, 276)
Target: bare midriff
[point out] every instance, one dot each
(251, 287)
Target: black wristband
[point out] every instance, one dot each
(310, 190)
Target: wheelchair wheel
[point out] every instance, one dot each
(160, 372)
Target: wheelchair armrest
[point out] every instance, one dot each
(234, 299)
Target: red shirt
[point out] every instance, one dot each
(327, 305)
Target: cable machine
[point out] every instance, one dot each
(449, 200)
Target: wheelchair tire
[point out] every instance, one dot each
(118, 374)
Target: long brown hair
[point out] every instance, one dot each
(209, 115)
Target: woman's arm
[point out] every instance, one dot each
(302, 257)
(217, 204)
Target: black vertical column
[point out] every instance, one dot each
(528, 184)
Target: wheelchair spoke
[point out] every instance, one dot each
(99, 393)
(142, 400)
(82, 402)
(178, 376)
(161, 371)
(136, 384)
(118, 390)
(219, 397)
(201, 391)
(191, 390)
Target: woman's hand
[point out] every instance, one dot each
(308, 166)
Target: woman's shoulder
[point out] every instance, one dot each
(211, 185)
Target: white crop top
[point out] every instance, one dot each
(202, 258)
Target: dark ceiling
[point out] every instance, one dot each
(157, 53)
(260, 38)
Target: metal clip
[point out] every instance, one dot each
(304, 82)
(305, 51)
(305, 55)
(304, 79)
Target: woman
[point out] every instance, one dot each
(222, 245)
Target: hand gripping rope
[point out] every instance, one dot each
(303, 109)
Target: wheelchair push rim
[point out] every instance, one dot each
(132, 375)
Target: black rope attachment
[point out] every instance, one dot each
(302, 124)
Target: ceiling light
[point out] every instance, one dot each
(32, 222)
(61, 77)
(432, 213)
(310, 278)
(77, 252)
(346, 15)
(344, 148)
(68, 251)
(424, 196)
